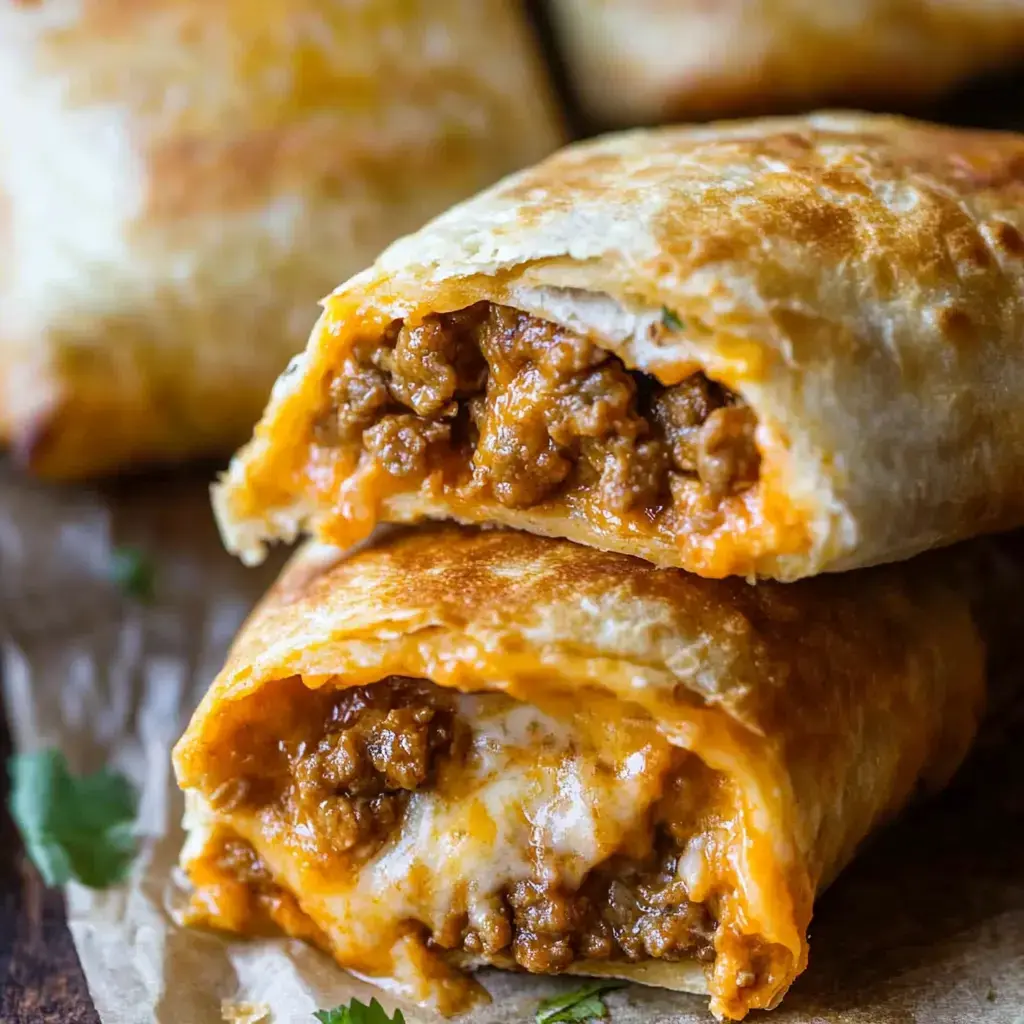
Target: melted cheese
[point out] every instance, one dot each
(536, 798)
(544, 795)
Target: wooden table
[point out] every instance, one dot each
(40, 977)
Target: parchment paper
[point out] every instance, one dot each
(927, 926)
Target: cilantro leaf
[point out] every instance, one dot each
(134, 573)
(357, 1013)
(670, 319)
(581, 1004)
(72, 827)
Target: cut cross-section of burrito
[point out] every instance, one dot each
(767, 348)
(466, 747)
(654, 60)
(182, 180)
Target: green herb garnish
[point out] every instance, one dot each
(579, 1005)
(670, 319)
(134, 573)
(357, 1013)
(72, 827)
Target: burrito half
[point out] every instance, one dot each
(762, 348)
(465, 747)
(655, 60)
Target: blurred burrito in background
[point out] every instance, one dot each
(181, 182)
(655, 60)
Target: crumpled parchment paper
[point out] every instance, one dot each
(927, 926)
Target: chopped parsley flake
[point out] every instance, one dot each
(670, 319)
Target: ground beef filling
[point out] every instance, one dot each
(380, 743)
(342, 774)
(344, 777)
(535, 409)
(624, 911)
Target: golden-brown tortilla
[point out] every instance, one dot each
(181, 181)
(817, 708)
(857, 281)
(648, 61)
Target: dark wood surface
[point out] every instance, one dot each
(41, 980)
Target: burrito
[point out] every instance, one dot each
(181, 182)
(463, 747)
(768, 348)
(637, 61)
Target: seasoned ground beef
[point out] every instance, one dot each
(727, 457)
(358, 396)
(625, 910)
(378, 745)
(402, 443)
(680, 412)
(341, 778)
(533, 408)
(343, 774)
(431, 364)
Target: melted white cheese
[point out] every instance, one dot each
(538, 797)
